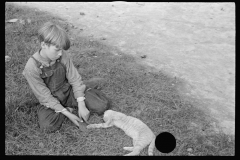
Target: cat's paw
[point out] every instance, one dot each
(91, 126)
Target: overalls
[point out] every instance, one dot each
(55, 79)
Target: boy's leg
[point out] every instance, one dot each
(93, 82)
(70, 100)
(49, 120)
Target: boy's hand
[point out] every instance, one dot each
(76, 120)
(83, 112)
(73, 118)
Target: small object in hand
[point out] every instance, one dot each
(143, 56)
(82, 13)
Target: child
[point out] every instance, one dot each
(55, 81)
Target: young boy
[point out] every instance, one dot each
(55, 81)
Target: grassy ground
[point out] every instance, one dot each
(133, 89)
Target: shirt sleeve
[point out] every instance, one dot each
(74, 77)
(40, 90)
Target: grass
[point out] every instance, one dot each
(133, 89)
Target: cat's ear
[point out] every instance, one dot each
(108, 122)
(107, 117)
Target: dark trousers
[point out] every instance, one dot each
(49, 120)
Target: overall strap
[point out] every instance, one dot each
(38, 63)
(60, 60)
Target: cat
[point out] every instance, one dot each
(141, 134)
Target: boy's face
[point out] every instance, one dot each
(51, 52)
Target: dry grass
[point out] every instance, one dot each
(133, 89)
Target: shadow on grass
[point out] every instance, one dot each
(133, 89)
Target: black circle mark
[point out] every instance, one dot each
(165, 142)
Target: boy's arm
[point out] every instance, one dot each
(40, 90)
(74, 77)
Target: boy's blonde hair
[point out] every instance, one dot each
(53, 34)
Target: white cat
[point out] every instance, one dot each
(141, 134)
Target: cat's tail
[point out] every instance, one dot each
(151, 146)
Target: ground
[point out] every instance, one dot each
(192, 41)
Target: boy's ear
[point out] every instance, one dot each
(43, 45)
